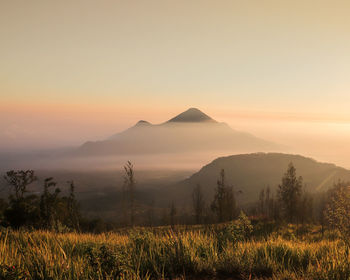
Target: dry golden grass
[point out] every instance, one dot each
(197, 254)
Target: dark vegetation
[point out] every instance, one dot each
(53, 209)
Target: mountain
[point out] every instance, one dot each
(190, 131)
(192, 115)
(249, 173)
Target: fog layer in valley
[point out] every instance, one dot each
(187, 142)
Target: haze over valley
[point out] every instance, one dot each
(170, 159)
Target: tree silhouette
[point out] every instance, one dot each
(73, 207)
(48, 205)
(198, 203)
(224, 204)
(337, 211)
(22, 210)
(129, 190)
(19, 180)
(290, 192)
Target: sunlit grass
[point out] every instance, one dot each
(141, 254)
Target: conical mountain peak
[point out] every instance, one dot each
(192, 115)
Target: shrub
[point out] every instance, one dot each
(105, 262)
(338, 211)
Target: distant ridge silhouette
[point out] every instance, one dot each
(190, 131)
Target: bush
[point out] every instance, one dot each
(234, 232)
(105, 261)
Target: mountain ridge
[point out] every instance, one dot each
(189, 131)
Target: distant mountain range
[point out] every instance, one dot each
(190, 131)
(250, 173)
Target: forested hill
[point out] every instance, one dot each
(249, 173)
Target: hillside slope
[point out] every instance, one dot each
(250, 173)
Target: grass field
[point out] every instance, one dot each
(184, 253)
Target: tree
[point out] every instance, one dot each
(19, 180)
(73, 207)
(22, 210)
(224, 204)
(49, 211)
(337, 211)
(129, 190)
(322, 211)
(244, 225)
(48, 205)
(289, 193)
(198, 203)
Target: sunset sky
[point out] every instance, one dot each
(72, 71)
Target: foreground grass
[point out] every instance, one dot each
(193, 254)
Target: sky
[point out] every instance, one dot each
(73, 71)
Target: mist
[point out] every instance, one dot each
(326, 141)
(161, 150)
